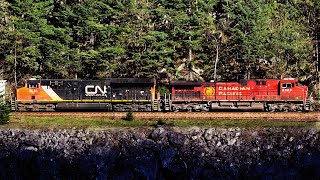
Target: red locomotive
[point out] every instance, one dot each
(139, 94)
(264, 94)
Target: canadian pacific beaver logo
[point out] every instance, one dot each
(209, 91)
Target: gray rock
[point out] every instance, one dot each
(158, 153)
(231, 142)
(158, 133)
(177, 138)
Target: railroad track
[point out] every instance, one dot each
(296, 116)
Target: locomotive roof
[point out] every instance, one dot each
(241, 81)
(186, 83)
(110, 80)
(132, 80)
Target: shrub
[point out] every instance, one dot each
(130, 116)
(161, 122)
(4, 114)
(163, 89)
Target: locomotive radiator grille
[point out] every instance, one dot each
(155, 105)
(13, 105)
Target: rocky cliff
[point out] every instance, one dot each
(160, 153)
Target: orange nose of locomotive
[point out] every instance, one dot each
(32, 91)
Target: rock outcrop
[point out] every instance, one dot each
(160, 153)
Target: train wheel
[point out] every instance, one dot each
(189, 109)
(174, 109)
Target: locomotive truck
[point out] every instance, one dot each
(140, 94)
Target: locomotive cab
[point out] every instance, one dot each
(289, 89)
(31, 91)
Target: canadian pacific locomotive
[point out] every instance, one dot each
(260, 94)
(139, 94)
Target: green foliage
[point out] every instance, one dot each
(130, 116)
(4, 114)
(37, 77)
(163, 89)
(162, 39)
(161, 122)
(271, 43)
(100, 123)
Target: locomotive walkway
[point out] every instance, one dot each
(282, 116)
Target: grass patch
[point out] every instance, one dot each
(69, 122)
(78, 122)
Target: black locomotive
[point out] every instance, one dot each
(112, 94)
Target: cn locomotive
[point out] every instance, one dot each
(113, 94)
(140, 94)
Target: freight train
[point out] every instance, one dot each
(140, 94)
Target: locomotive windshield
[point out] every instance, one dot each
(287, 85)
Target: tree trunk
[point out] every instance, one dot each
(190, 64)
(15, 63)
(317, 56)
(215, 64)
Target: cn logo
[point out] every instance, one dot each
(95, 90)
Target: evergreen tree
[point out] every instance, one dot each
(269, 41)
(188, 40)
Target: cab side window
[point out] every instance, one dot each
(287, 85)
(32, 85)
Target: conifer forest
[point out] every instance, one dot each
(225, 40)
